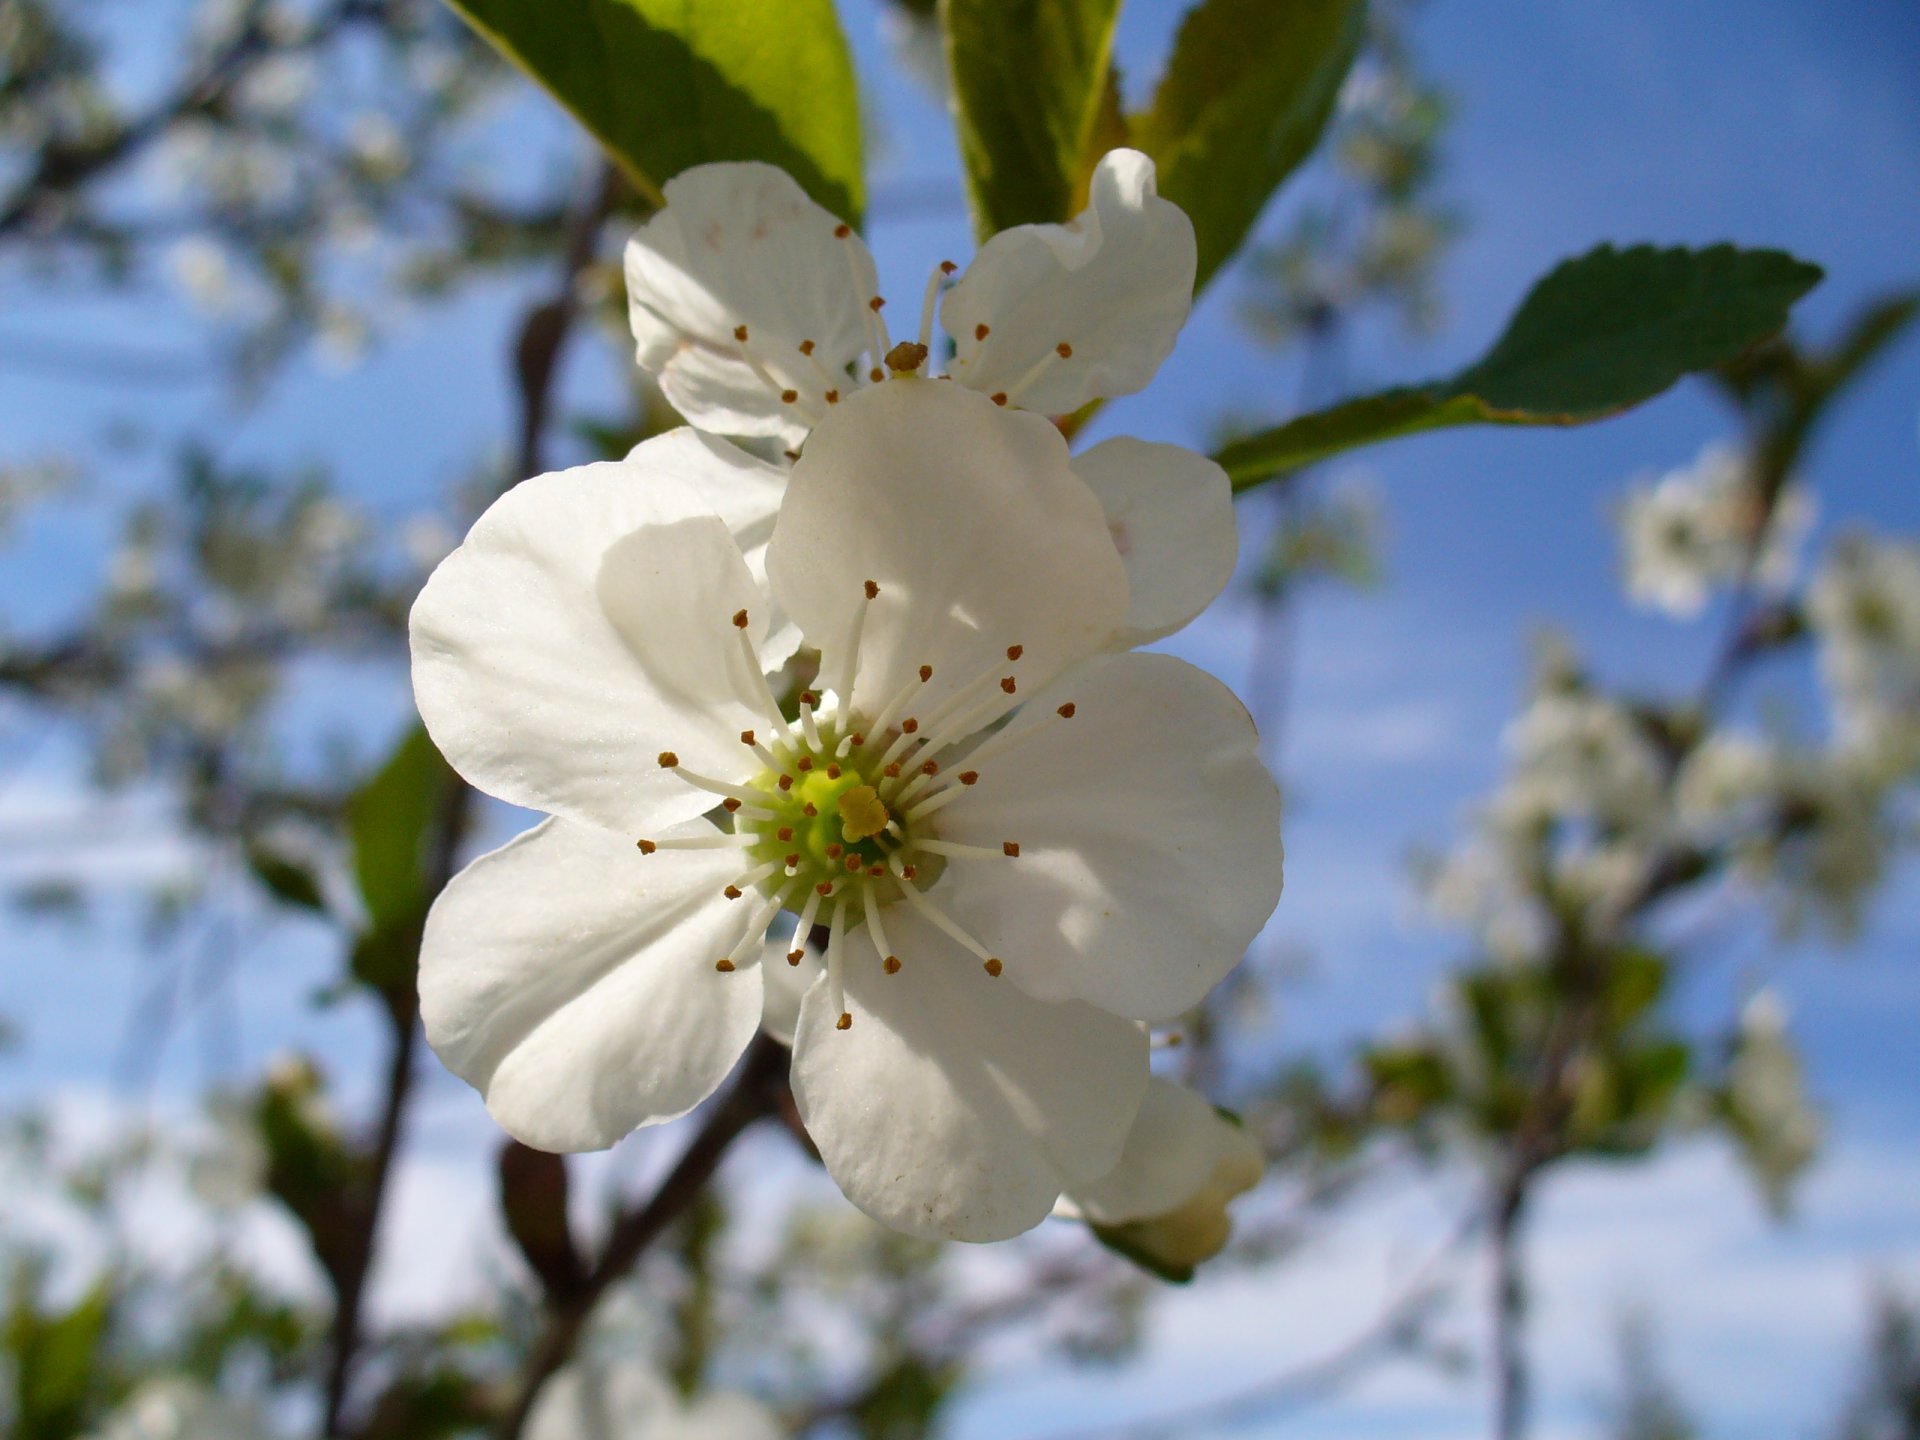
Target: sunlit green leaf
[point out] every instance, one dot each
(1029, 77)
(395, 823)
(1598, 335)
(1246, 94)
(666, 84)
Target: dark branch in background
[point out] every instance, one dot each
(1581, 955)
(756, 1094)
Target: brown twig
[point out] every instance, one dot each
(755, 1094)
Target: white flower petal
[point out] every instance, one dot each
(972, 523)
(570, 979)
(717, 1415)
(740, 244)
(1171, 514)
(1149, 835)
(1177, 1144)
(1113, 284)
(745, 492)
(594, 1401)
(954, 1103)
(538, 694)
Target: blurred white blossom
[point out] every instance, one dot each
(1584, 755)
(179, 1409)
(1864, 606)
(592, 1400)
(1693, 528)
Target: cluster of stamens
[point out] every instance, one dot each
(816, 384)
(840, 823)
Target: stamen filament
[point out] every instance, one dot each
(764, 375)
(836, 964)
(995, 676)
(807, 726)
(843, 711)
(941, 920)
(757, 923)
(716, 787)
(876, 931)
(953, 849)
(760, 692)
(719, 840)
(900, 700)
(804, 929)
(936, 801)
(927, 303)
(765, 756)
(758, 873)
(1002, 741)
(1033, 373)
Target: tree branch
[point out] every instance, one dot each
(755, 1095)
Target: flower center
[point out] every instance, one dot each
(839, 825)
(820, 819)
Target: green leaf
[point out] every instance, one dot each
(395, 823)
(53, 1363)
(1029, 78)
(1246, 95)
(667, 84)
(391, 822)
(288, 880)
(1598, 335)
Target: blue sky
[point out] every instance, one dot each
(1779, 122)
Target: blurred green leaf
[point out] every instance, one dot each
(1408, 1082)
(391, 823)
(1029, 78)
(1598, 335)
(1246, 94)
(53, 1360)
(395, 824)
(287, 879)
(310, 1167)
(668, 84)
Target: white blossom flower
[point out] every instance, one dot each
(179, 1409)
(627, 1401)
(758, 312)
(1864, 605)
(1779, 1130)
(1691, 530)
(200, 268)
(1004, 901)
(228, 1168)
(1166, 1200)
(1585, 756)
(1727, 778)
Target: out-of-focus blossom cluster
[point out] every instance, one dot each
(315, 157)
(1382, 237)
(1611, 803)
(1705, 526)
(1864, 607)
